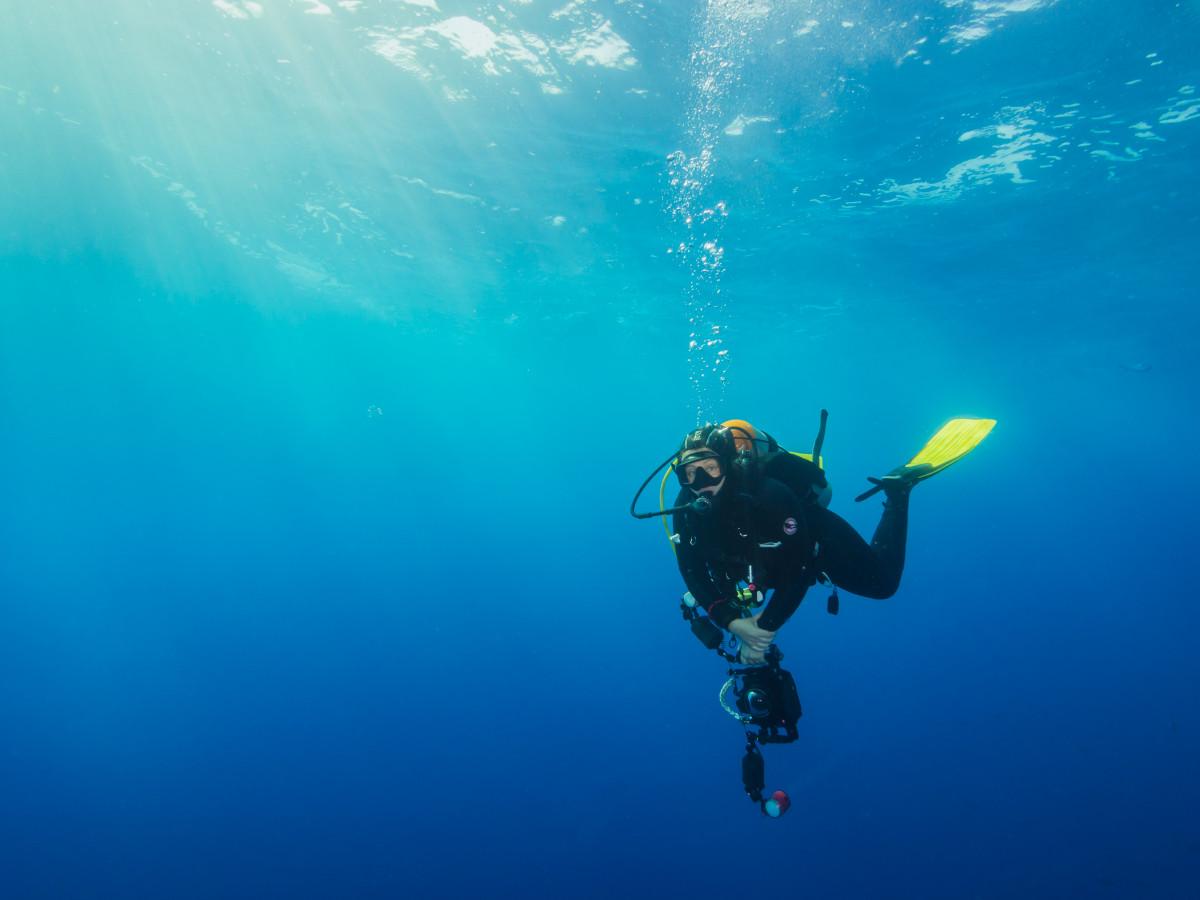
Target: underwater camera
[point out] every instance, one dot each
(766, 697)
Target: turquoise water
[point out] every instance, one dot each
(336, 336)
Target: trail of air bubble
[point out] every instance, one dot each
(714, 67)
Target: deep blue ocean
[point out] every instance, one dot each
(335, 338)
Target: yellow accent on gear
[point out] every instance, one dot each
(820, 462)
(662, 504)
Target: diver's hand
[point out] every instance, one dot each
(755, 640)
(748, 657)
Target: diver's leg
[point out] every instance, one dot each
(869, 570)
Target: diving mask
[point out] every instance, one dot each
(698, 471)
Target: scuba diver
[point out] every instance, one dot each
(752, 517)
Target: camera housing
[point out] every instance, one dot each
(767, 696)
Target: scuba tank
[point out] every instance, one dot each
(758, 454)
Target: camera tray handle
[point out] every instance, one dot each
(754, 770)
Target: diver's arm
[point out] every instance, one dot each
(784, 601)
(693, 566)
(699, 580)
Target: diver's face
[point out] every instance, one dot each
(705, 475)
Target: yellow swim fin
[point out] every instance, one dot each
(953, 441)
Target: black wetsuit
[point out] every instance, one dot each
(789, 541)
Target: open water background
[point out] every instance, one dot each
(335, 338)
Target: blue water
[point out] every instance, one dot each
(335, 338)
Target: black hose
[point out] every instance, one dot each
(820, 441)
